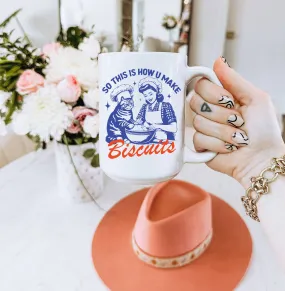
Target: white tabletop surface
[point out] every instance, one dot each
(45, 242)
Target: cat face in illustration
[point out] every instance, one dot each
(126, 101)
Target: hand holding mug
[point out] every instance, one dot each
(147, 88)
(240, 124)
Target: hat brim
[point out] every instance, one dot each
(221, 267)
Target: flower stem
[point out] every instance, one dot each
(77, 174)
(59, 19)
(23, 31)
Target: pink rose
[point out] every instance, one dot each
(29, 82)
(51, 48)
(69, 89)
(74, 127)
(80, 113)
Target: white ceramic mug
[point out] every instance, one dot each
(142, 115)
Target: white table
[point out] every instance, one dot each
(45, 243)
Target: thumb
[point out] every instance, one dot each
(243, 91)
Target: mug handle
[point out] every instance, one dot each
(189, 155)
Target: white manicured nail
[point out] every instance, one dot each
(235, 120)
(240, 139)
(226, 101)
(230, 147)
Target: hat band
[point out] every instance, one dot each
(173, 262)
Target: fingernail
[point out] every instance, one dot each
(240, 139)
(226, 102)
(235, 120)
(230, 147)
(225, 61)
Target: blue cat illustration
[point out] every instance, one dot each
(122, 116)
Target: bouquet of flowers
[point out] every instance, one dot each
(51, 93)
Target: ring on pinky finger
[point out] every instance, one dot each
(205, 142)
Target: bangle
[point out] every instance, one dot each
(260, 186)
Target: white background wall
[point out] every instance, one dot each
(40, 17)
(258, 51)
(154, 12)
(209, 25)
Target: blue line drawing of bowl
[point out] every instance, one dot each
(140, 136)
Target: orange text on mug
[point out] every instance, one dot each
(118, 148)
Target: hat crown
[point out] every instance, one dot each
(174, 218)
(119, 89)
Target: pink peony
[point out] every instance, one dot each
(69, 89)
(80, 113)
(51, 48)
(29, 82)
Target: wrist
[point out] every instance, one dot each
(257, 163)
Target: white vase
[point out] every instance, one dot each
(69, 185)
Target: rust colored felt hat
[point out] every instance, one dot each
(172, 237)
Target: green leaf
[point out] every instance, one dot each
(8, 19)
(75, 35)
(85, 139)
(89, 153)
(36, 139)
(7, 62)
(11, 107)
(11, 33)
(26, 46)
(78, 140)
(96, 139)
(14, 71)
(6, 83)
(66, 140)
(12, 84)
(93, 140)
(95, 163)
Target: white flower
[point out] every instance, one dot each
(21, 123)
(91, 98)
(125, 48)
(4, 96)
(91, 125)
(91, 47)
(70, 61)
(3, 129)
(11, 58)
(170, 22)
(43, 114)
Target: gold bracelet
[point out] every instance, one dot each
(260, 186)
